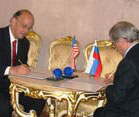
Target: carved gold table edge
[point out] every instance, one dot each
(73, 98)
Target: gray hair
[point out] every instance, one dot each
(124, 30)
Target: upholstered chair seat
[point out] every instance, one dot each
(60, 53)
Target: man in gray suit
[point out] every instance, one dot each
(123, 95)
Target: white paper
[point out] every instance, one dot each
(37, 75)
(86, 84)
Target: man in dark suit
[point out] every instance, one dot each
(123, 95)
(20, 24)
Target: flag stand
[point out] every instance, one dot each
(91, 76)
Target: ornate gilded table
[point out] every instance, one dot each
(73, 91)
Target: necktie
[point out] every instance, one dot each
(14, 53)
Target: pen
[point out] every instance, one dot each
(20, 61)
(111, 74)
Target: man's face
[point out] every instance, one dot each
(119, 45)
(21, 25)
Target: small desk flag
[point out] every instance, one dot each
(94, 66)
(75, 52)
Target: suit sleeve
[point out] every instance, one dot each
(5, 51)
(124, 81)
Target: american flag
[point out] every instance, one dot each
(75, 52)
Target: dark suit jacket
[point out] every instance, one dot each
(5, 54)
(123, 95)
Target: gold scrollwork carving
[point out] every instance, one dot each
(14, 91)
(73, 98)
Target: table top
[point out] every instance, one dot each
(38, 80)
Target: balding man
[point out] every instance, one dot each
(14, 47)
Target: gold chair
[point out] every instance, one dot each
(35, 45)
(110, 58)
(60, 53)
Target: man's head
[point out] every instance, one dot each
(21, 23)
(123, 34)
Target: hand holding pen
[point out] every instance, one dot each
(20, 69)
(109, 78)
(23, 63)
(20, 61)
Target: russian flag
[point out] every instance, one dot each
(94, 66)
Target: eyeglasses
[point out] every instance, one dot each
(114, 43)
(24, 26)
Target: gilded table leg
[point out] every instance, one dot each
(73, 101)
(75, 98)
(14, 92)
(70, 97)
(71, 107)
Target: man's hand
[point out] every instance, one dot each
(20, 69)
(109, 78)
